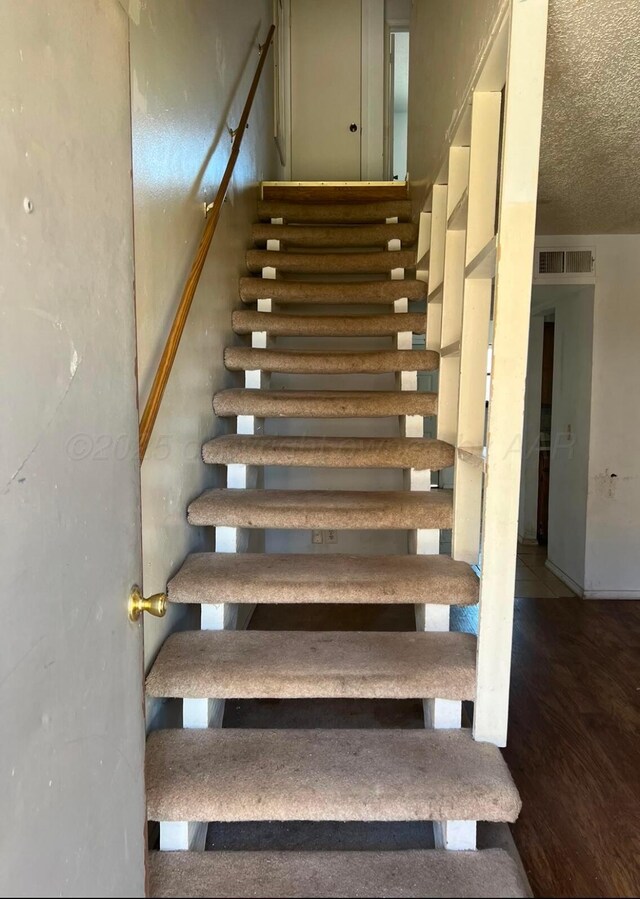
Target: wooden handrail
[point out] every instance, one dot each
(165, 365)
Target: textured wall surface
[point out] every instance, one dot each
(72, 745)
(589, 174)
(589, 177)
(192, 62)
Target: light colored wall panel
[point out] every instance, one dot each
(447, 40)
(71, 753)
(570, 430)
(611, 565)
(613, 505)
(191, 66)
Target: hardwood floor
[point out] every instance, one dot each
(574, 745)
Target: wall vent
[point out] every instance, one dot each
(564, 264)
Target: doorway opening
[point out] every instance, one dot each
(556, 441)
(397, 103)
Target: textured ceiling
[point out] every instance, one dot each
(590, 157)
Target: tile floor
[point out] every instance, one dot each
(533, 579)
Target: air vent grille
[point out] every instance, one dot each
(578, 262)
(564, 264)
(551, 262)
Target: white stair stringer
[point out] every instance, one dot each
(438, 713)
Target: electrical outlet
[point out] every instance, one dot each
(317, 537)
(332, 536)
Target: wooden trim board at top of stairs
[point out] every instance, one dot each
(333, 191)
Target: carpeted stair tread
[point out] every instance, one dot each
(330, 263)
(334, 236)
(330, 452)
(391, 874)
(334, 191)
(335, 213)
(310, 578)
(245, 321)
(309, 509)
(239, 358)
(306, 665)
(323, 403)
(224, 774)
(335, 293)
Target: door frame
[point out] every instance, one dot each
(282, 84)
(393, 26)
(372, 75)
(372, 81)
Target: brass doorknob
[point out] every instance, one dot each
(155, 605)
(353, 127)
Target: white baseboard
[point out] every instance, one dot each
(527, 541)
(562, 576)
(611, 594)
(590, 594)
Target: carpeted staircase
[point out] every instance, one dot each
(351, 250)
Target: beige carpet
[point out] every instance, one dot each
(323, 403)
(335, 236)
(330, 452)
(489, 874)
(245, 321)
(326, 775)
(309, 578)
(343, 213)
(306, 665)
(309, 509)
(338, 293)
(328, 263)
(310, 362)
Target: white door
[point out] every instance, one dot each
(71, 752)
(326, 63)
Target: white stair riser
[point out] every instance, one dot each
(442, 714)
(457, 836)
(182, 835)
(197, 713)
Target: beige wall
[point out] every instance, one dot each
(192, 62)
(72, 746)
(612, 566)
(397, 11)
(447, 39)
(594, 516)
(570, 425)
